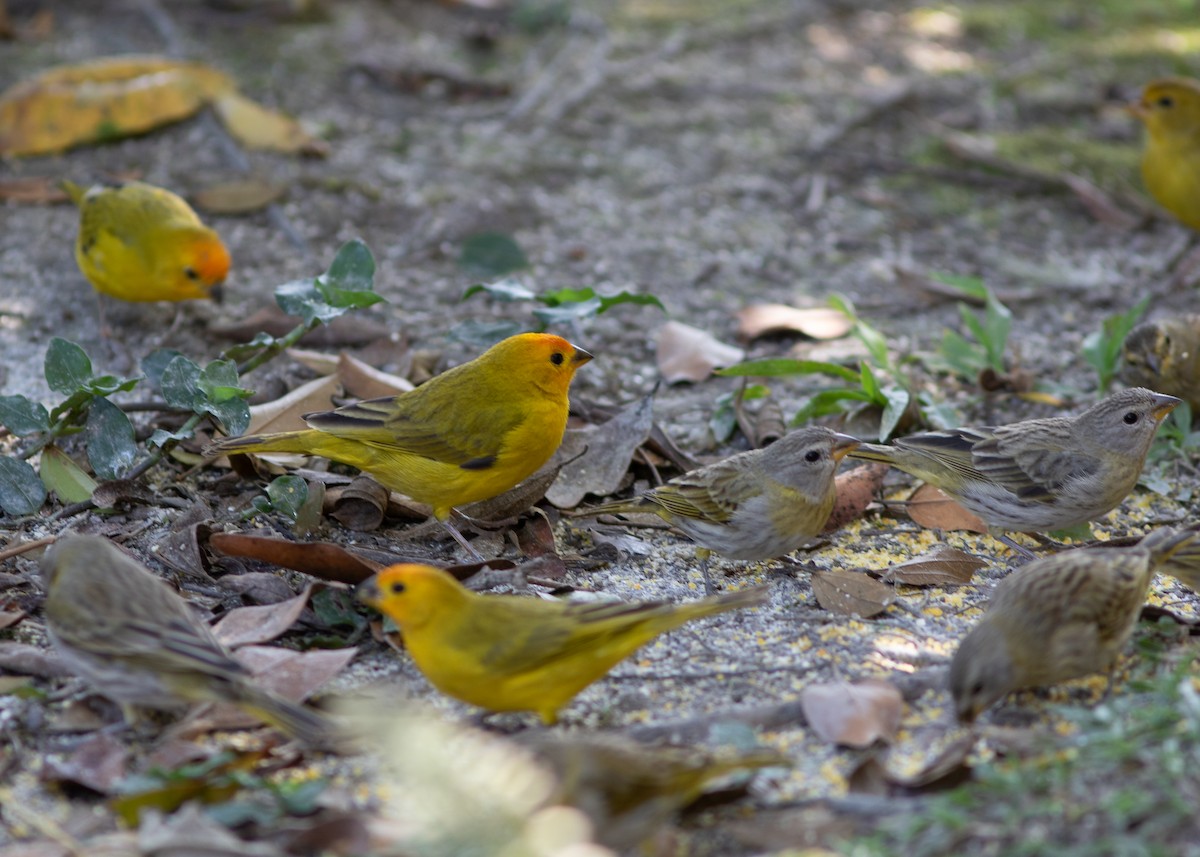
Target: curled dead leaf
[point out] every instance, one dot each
(931, 508)
(686, 353)
(814, 322)
(258, 127)
(856, 489)
(241, 196)
(359, 506)
(323, 560)
(853, 714)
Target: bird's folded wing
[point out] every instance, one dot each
(382, 422)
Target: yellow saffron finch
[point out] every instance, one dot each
(465, 435)
(508, 653)
(138, 242)
(1170, 110)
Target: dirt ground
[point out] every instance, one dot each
(712, 154)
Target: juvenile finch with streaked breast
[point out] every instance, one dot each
(755, 505)
(1037, 475)
(468, 434)
(1164, 355)
(1059, 617)
(136, 641)
(508, 653)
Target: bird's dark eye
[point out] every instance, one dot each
(812, 455)
(1165, 101)
(977, 688)
(1130, 418)
(191, 273)
(397, 588)
(556, 358)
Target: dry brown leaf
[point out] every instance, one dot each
(856, 489)
(99, 763)
(853, 714)
(360, 506)
(851, 593)
(942, 566)
(285, 414)
(323, 560)
(258, 127)
(814, 322)
(291, 674)
(240, 196)
(597, 457)
(367, 382)
(686, 353)
(102, 99)
(242, 626)
(932, 509)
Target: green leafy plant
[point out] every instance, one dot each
(285, 495)
(1102, 348)
(209, 392)
(989, 331)
(562, 306)
(879, 381)
(724, 418)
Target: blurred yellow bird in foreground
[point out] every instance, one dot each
(138, 242)
(137, 642)
(1165, 355)
(1037, 475)
(468, 434)
(1058, 618)
(1170, 110)
(755, 505)
(508, 653)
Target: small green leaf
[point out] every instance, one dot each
(785, 366)
(1102, 348)
(337, 609)
(106, 385)
(352, 270)
(607, 303)
(155, 363)
(829, 402)
(508, 290)
(22, 416)
(287, 494)
(21, 490)
(970, 286)
(724, 419)
(568, 312)
(60, 474)
(111, 448)
(181, 385)
(897, 404)
(345, 286)
(232, 414)
(67, 366)
(568, 296)
(220, 382)
(244, 350)
(161, 437)
(483, 333)
(491, 254)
